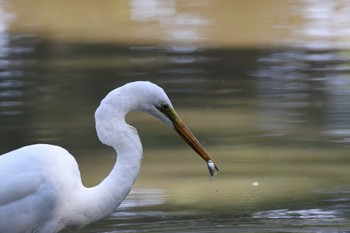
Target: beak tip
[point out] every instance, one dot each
(213, 169)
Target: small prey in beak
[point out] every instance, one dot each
(188, 136)
(212, 168)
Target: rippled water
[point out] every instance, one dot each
(332, 216)
(275, 118)
(278, 131)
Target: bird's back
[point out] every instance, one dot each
(31, 180)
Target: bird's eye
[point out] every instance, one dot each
(164, 106)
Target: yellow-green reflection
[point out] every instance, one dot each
(214, 23)
(263, 84)
(251, 174)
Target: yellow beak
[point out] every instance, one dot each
(188, 136)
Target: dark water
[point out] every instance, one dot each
(276, 120)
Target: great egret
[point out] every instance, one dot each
(40, 185)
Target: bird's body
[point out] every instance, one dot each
(40, 185)
(35, 180)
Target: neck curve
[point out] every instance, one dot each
(112, 130)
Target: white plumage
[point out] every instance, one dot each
(40, 185)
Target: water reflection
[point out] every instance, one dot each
(277, 119)
(311, 76)
(4, 37)
(307, 84)
(12, 68)
(173, 27)
(331, 218)
(324, 25)
(182, 32)
(318, 214)
(6, 85)
(254, 166)
(144, 197)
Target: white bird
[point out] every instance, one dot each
(40, 185)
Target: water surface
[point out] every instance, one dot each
(275, 118)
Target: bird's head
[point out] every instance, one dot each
(150, 98)
(157, 103)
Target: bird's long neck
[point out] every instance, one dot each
(116, 186)
(109, 194)
(112, 130)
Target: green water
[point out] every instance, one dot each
(276, 118)
(281, 143)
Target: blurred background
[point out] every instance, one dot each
(265, 85)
